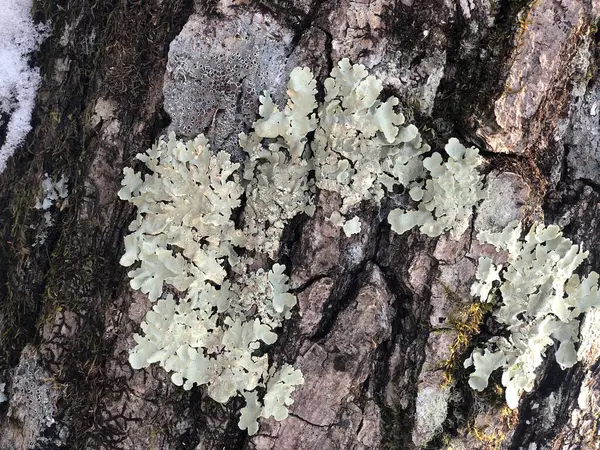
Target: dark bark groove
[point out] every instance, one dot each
(67, 313)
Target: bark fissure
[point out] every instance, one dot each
(363, 323)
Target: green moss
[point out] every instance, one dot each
(466, 321)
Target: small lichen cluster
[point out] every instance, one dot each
(446, 199)
(539, 300)
(53, 195)
(361, 150)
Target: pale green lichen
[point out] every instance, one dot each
(447, 197)
(278, 186)
(278, 397)
(185, 203)
(183, 237)
(352, 226)
(53, 196)
(540, 301)
(214, 306)
(361, 147)
(52, 192)
(363, 150)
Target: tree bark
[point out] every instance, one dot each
(372, 334)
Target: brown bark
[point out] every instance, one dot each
(372, 331)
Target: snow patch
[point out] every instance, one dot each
(19, 36)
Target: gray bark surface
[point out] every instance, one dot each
(372, 332)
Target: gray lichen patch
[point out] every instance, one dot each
(583, 137)
(508, 197)
(218, 68)
(450, 290)
(449, 295)
(582, 428)
(589, 346)
(105, 115)
(415, 79)
(32, 406)
(431, 411)
(349, 30)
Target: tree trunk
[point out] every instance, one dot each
(373, 336)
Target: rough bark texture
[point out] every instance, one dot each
(517, 78)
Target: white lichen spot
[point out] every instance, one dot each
(53, 196)
(3, 396)
(52, 192)
(431, 411)
(352, 226)
(583, 399)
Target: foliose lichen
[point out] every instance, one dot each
(539, 299)
(53, 195)
(215, 304)
(183, 241)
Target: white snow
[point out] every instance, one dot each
(19, 36)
